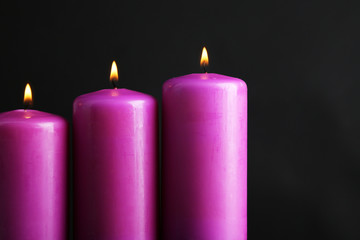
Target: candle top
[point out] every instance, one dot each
(29, 117)
(204, 79)
(113, 96)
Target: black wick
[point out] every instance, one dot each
(27, 105)
(114, 84)
(204, 67)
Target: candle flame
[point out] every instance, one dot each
(204, 58)
(114, 72)
(28, 95)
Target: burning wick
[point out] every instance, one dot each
(114, 77)
(27, 97)
(204, 61)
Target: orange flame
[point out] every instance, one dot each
(204, 58)
(114, 77)
(28, 95)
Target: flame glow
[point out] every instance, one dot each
(114, 72)
(28, 95)
(204, 58)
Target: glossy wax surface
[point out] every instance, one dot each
(33, 175)
(115, 171)
(204, 168)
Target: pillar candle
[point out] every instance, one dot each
(204, 168)
(115, 171)
(33, 175)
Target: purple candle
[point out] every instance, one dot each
(204, 172)
(33, 175)
(115, 172)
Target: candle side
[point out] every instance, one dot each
(33, 175)
(115, 165)
(204, 168)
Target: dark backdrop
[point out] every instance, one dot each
(299, 58)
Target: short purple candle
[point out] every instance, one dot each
(204, 168)
(33, 175)
(115, 171)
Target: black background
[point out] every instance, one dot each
(299, 58)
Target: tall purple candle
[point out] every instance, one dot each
(115, 171)
(204, 169)
(33, 175)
